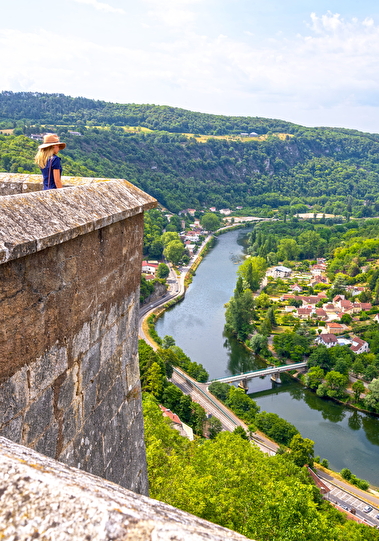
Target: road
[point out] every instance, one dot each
(348, 497)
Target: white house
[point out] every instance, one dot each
(327, 339)
(281, 272)
(151, 268)
(359, 346)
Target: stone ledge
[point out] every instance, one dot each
(37, 220)
(43, 498)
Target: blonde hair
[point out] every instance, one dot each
(43, 155)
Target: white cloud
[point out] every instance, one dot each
(173, 13)
(330, 72)
(100, 6)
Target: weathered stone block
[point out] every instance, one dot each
(106, 377)
(90, 365)
(38, 417)
(89, 399)
(81, 341)
(14, 394)
(68, 389)
(47, 444)
(71, 423)
(46, 369)
(13, 429)
(108, 345)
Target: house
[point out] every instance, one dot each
(318, 279)
(296, 287)
(287, 297)
(243, 134)
(253, 134)
(346, 306)
(150, 268)
(212, 209)
(355, 290)
(183, 429)
(312, 299)
(321, 314)
(366, 306)
(327, 339)
(304, 313)
(376, 318)
(281, 272)
(358, 345)
(316, 270)
(191, 212)
(225, 212)
(335, 328)
(76, 133)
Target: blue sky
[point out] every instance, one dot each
(313, 62)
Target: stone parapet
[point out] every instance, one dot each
(70, 267)
(38, 220)
(44, 499)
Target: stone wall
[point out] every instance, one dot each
(43, 499)
(70, 263)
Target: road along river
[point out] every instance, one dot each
(347, 438)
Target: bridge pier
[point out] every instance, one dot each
(276, 377)
(243, 385)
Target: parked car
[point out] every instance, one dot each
(367, 509)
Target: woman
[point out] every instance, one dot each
(49, 162)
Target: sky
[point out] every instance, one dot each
(312, 62)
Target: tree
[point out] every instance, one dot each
(155, 380)
(241, 432)
(168, 341)
(358, 388)
(174, 251)
(372, 398)
(214, 427)
(210, 221)
(302, 451)
(263, 300)
(288, 249)
(336, 383)
(163, 270)
(239, 314)
(258, 343)
(271, 316)
(242, 405)
(220, 390)
(314, 377)
(169, 236)
(252, 270)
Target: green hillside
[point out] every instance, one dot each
(290, 165)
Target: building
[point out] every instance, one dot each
(280, 272)
(183, 429)
(359, 346)
(150, 268)
(335, 328)
(327, 339)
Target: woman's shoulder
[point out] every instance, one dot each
(56, 162)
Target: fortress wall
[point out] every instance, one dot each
(70, 263)
(42, 498)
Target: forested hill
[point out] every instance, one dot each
(57, 109)
(152, 146)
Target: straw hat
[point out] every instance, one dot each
(50, 140)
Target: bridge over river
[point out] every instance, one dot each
(273, 371)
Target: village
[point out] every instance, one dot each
(332, 318)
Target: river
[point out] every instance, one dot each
(347, 438)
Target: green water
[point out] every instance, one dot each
(345, 437)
